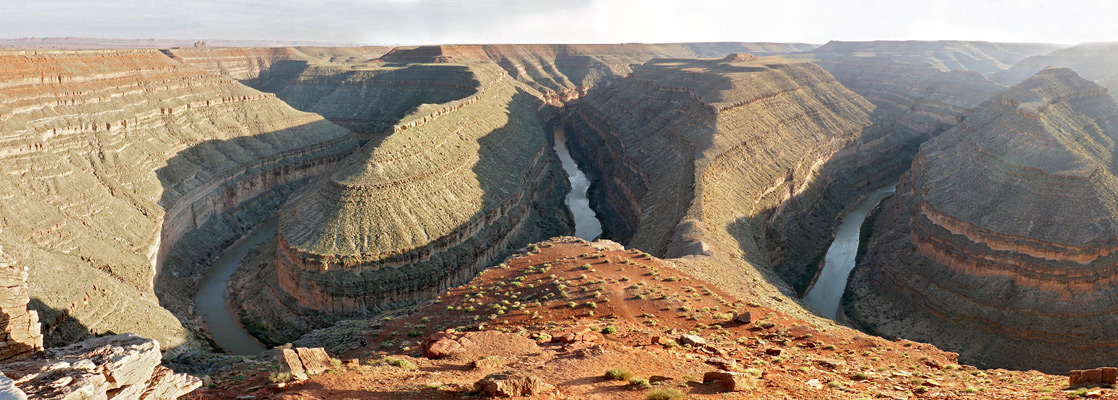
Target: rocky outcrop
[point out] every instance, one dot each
(19, 327)
(121, 367)
(726, 158)
(455, 187)
(1001, 237)
(127, 170)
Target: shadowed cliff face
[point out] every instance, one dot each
(110, 157)
(1002, 235)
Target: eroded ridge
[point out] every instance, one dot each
(1002, 235)
(452, 189)
(113, 159)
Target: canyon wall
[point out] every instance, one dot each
(726, 158)
(1000, 242)
(125, 170)
(454, 187)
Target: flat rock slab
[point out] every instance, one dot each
(509, 384)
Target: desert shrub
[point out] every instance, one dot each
(608, 330)
(643, 383)
(617, 374)
(664, 394)
(399, 363)
(279, 377)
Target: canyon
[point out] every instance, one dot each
(1023, 263)
(378, 179)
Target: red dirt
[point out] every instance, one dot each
(639, 297)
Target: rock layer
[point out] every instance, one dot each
(453, 188)
(1002, 235)
(126, 166)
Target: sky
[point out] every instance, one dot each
(396, 22)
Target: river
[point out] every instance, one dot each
(826, 294)
(587, 225)
(212, 300)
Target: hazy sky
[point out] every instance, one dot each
(565, 21)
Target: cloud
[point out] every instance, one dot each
(534, 21)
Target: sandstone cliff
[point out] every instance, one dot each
(453, 188)
(1001, 236)
(727, 158)
(122, 167)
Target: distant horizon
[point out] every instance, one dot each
(311, 43)
(420, 22)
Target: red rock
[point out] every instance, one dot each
(1100, 376)
(773, 351)
(732, 381)
(660, 340)
(509, 384)
(445, 344)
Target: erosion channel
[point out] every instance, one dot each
(826, 293)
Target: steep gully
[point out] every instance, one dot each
(212, 298)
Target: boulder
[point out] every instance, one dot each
(289, 362)
(445, 344)
(1097, 376)
(693, 340)
(732, 381)
(774, 351)
(124, 367)
(315, 360)
(663, 341)
(744, 317)
(509, 384)
(582, 334)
